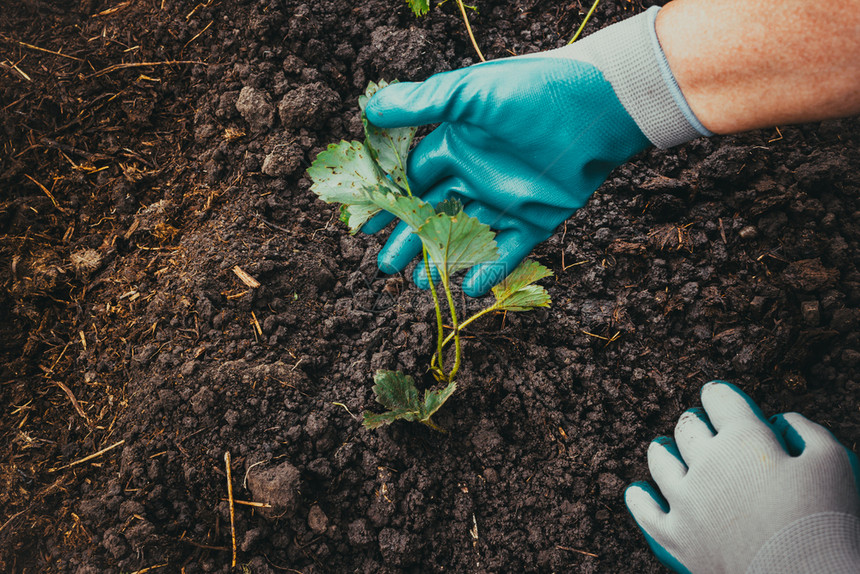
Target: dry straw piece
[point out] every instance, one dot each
(245, 277)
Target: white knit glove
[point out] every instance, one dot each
(738, 494)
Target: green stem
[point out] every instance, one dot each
(465, 323)
(456, 328)
(405, 179)
(439, 328)
(469, 30)
(434, 426)
(402, 169)
(439, 325)
(584, 22)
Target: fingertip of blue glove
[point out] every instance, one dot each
(377, 223)
(386, 264)
(470, 286)
(372, 109)
(400, 249)
(484, 277)
(476, 289)
(380, 108)
(419, 275)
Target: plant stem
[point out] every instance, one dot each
(456, 328)
(469, 30)
(402, 169)
(463, 325)
(433, 425)
(405, 179)
(439, 328)
(584, 22)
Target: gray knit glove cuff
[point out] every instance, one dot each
(631, 59)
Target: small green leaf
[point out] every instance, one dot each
(396, 391)
(373, 420)
(435, 399)
(451, 206)
(358, 215)
(413, 211)
(517, 292)
(419, 7)
(341, 173)
(389, 147)
(344, 214)
(457, 242)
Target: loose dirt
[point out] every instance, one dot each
(172, 289)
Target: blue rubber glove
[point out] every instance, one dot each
(525, 141)
(741, 494)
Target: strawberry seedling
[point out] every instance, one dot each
(421, 7)
(368, 177)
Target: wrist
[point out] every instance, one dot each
(744, 65)
(630, 57)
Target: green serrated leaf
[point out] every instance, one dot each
(456, 242)
(526, 299)
(344, 214)
(517, 292)
(373, 420)
(419, 7)
(358, 215)
(435, 399)
(411, 210)
(341, 173)
(396, 391)
(451, 206)
(389, 147)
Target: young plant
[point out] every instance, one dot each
(421, 7)
(584, 22)
(368, 177)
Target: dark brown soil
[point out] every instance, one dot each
(131, 186)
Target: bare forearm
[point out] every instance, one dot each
(746, 64)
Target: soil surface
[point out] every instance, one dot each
(153, 149)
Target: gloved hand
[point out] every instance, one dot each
(739, 494)
(525, 141)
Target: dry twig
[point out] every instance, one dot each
(90, 457)
(232, 506)
(74, 401)
(46, 192)
(245, 277)
(116, 67)
(32, 47)
(578, 551)
(250, 503)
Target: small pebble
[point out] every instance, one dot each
(810, 312)
(748, 233)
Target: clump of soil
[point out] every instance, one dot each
(174, 291)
